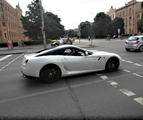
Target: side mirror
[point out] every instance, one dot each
(86, 53)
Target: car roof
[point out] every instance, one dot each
(137, 36)
(59, 47)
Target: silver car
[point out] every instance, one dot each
(134, 43)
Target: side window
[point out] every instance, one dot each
(67, 51)
(142, 38)
(80, 53)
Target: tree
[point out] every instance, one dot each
(32, 23)
(102, 25)
(140, 26)
(140, 22)
(71, 33)
(118, 23)
(53, 28)
(85, 29)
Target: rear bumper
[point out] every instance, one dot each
(134, 47)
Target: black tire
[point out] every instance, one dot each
(127, 49)
(112, 65)
(141, 48)
(50, 75)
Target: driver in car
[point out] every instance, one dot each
(73, 52)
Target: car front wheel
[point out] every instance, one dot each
(50, 75)
(127, 49)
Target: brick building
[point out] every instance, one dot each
(10, 24)
(131, 13)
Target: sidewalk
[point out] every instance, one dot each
(20, 50)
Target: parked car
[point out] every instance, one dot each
(134, 43)
(66, 60)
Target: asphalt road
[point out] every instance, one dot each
(96, 95)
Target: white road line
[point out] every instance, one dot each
(114, 84)
(127, 92)
(10, 62)
(104, 77)
(126, 71)
(138, 64)
(123, 60)
(86, 84)
(32, 95)
(5, 57)
(129, 61)
(137, 75)
(139, 100)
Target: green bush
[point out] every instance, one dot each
(33, 42)
(15, 44)
(3, 44)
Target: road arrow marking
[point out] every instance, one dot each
(104, 77)
(5, 57)
(139, 100)
(127, 92)
(137, 75)
(126, 71)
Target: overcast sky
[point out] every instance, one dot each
(73, 12)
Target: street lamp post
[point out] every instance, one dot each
(42, 22)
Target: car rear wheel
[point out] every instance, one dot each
(141, 48)
(50, 75)
(127, 49)
(112, 65)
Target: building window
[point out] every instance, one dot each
(130, 11)
(2, 16)
(5, 35)
(130, 20)
(1, 8)
(123, 13)
(3, 23)
(138, 17)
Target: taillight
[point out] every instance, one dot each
(137, 42)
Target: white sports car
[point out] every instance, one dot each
(51, 64)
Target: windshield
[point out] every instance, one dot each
(133, 39)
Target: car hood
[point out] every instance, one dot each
(29, 56)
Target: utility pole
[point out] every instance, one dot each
(42, 22)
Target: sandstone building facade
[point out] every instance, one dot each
(10, 24)
(131, 13)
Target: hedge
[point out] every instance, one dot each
(31, 42)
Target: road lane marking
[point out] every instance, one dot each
(137, 64)
(123, 60)
(126, 71)
(139, 100)
(32, 95)
(127, 92)
(5, 57)
(137, 75)
(129, 61)
(114, 84)
(104, 77)
(10, 62)
(86, 84)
